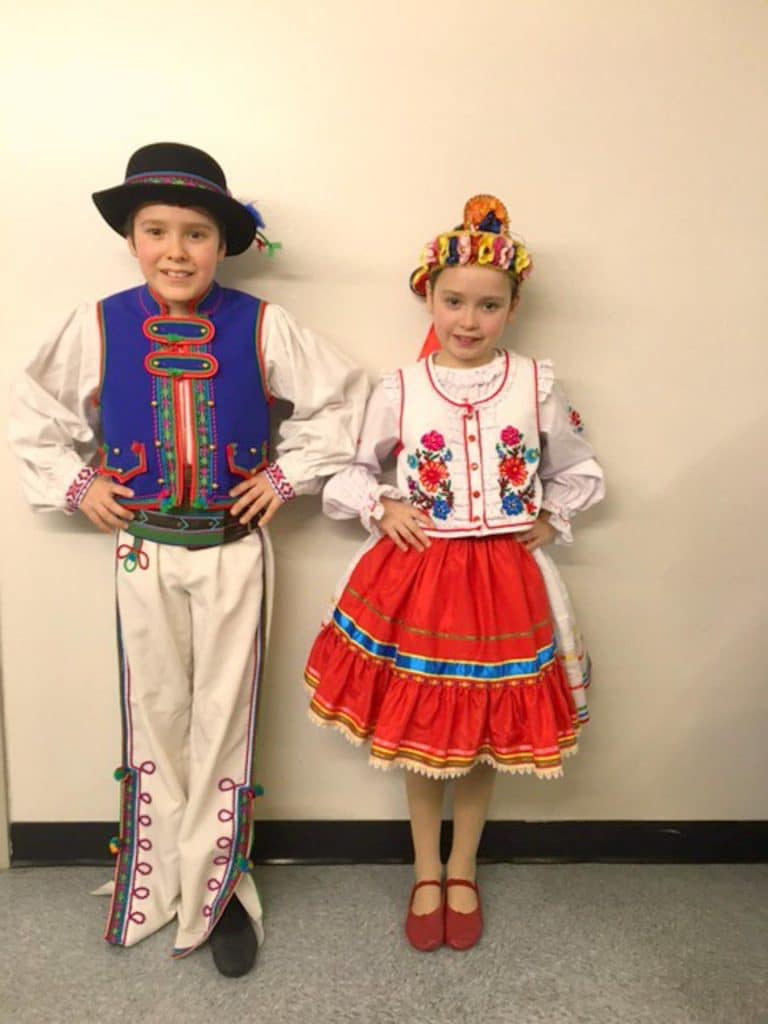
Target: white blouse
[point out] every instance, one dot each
(571, 477)
(55, 428)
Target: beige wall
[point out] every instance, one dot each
(628, 140)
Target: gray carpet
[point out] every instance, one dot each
(577, 943)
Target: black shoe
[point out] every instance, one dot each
(233, 941)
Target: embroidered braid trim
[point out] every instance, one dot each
(279, 482)
(174, 178)
(78, 487)
(239, 852)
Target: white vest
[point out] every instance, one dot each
(471, 467)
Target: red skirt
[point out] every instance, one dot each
(446, 659)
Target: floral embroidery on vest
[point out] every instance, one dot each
(431, 492)
(513, 473)
(576, 422)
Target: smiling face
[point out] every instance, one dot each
(471, 306)
(178, 249)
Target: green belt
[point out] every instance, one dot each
(189, 528)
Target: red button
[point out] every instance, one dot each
(471, 437)
(475, 494)
(474, 466)
(475, 519)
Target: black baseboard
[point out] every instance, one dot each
(388, 842)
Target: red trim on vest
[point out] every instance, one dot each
(241, 470)
(161, 302)
(180, 447)
(183, 342)
(138, 449)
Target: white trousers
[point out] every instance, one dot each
(191, 642)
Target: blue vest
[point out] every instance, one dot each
(146, 356)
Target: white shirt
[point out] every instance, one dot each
(55, 428)
(571, 478)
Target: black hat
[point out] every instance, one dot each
(169, 172)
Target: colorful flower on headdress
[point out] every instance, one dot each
(485, 252)
(522, 260)
(482, 239)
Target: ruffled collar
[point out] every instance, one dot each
(472, 384)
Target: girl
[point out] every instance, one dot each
(452, 646)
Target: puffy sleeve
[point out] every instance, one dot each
(54, 419)
(356, 490)
(570, 474)
(327, 392)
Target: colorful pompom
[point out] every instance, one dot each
(486, 213)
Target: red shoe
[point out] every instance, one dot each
(425, 931)
(462, 930)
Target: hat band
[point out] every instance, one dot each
(174, 178)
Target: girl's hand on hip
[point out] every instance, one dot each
(402, 523)
(98, 504)
(256, 498)
(541, 533)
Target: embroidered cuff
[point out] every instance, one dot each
(559, 520)
(373, 510)
(78, 487)
(279, 482)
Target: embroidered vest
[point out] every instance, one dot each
(183, 403)
(471, 467)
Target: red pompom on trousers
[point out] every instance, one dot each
(444, 659)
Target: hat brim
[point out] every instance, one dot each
(115, 206)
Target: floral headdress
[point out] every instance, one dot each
(482, 240)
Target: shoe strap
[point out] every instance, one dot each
(460, 881)
(429, 881)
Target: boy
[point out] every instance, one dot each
(170, 384)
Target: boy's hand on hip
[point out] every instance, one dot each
(98, 504)
(541, 533)
(255, 498)
(402, 523)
